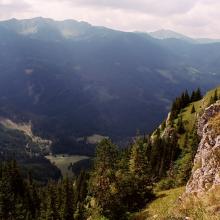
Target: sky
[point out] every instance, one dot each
(195, 18)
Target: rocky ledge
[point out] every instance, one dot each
(206, 170)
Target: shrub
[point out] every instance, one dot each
(165, 184)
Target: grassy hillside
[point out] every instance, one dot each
(189, 118)
(162, 206)
(199, 106)
(170, 204)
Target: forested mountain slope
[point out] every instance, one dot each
(74, 80)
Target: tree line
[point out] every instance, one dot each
(184, 100)
(23, 198)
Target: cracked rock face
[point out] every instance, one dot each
(206, 170)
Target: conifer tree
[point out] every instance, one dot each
(186, 98)
(198, 94)
(194, 141)
(193, 110)
(139, 164)
(51, 204)
(193, 96)
(215, 98)
(103, 178)
(180, 126)
(68, 200)
(155, 154)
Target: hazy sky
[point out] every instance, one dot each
(197, 18)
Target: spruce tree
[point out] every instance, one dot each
(193, 110)
(193, 96)
(186, 98)
(139, 163)
(194, 141)
(68, 200)
(198, 94)
(52, 213)
(180, 126)
(103, 179)
(215, 98)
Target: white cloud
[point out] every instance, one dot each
(198, 18)
(10, 8)
(144, 6)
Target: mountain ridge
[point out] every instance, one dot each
(163, 34)
(158, 34)
(106, 82)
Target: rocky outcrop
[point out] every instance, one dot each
(206, 170)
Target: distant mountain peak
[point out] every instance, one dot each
(163, 34)
(166, 34)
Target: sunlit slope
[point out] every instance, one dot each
(189, 118)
